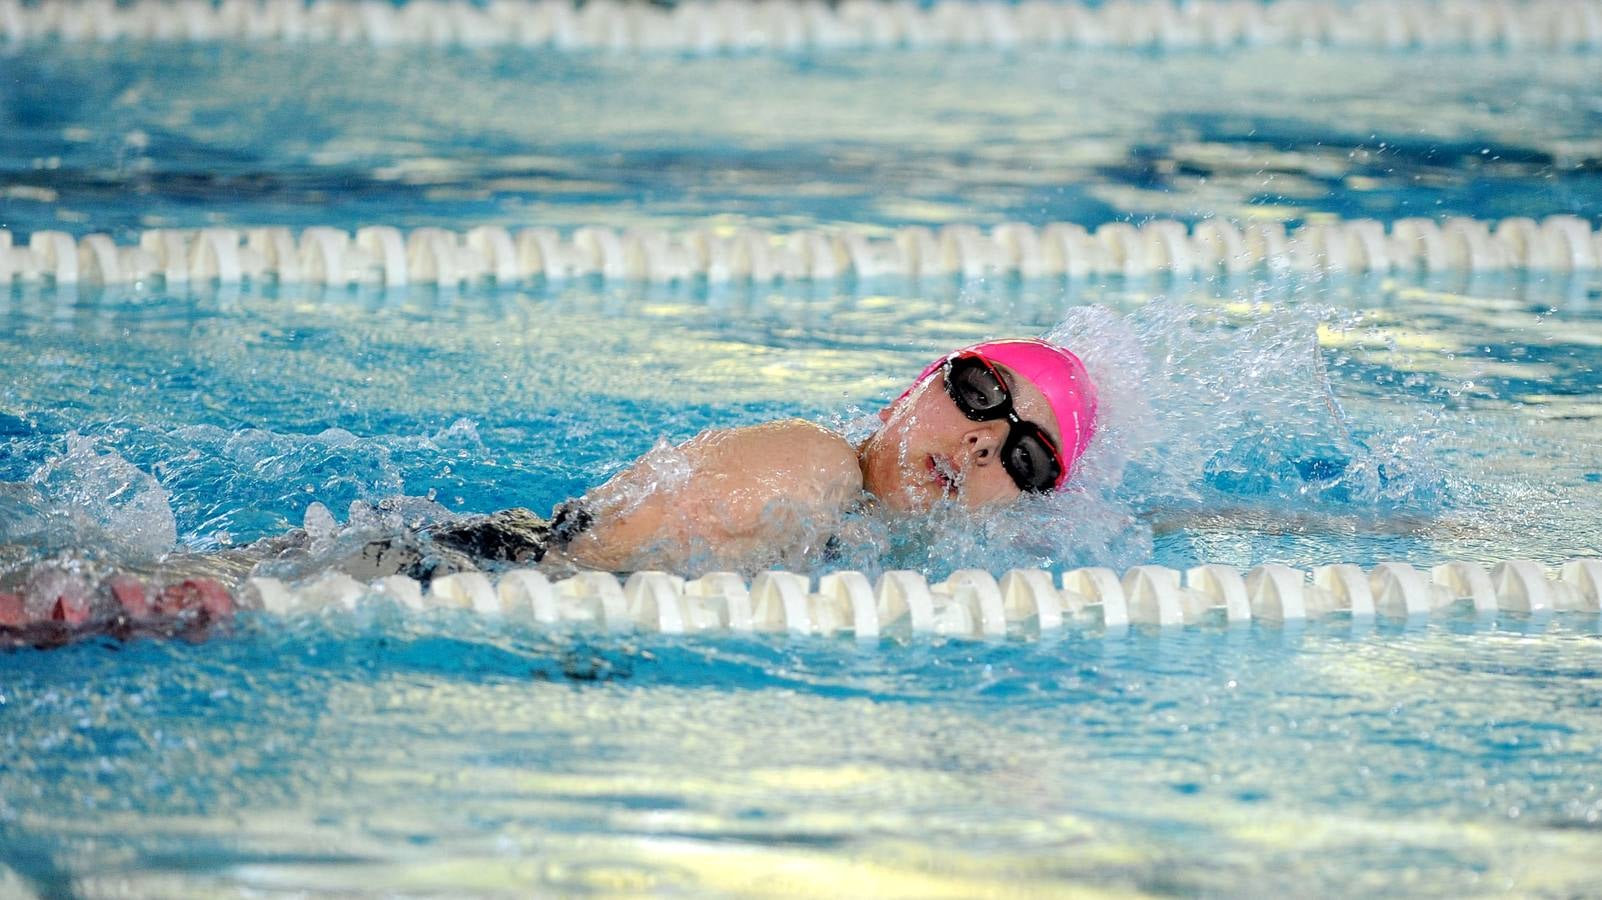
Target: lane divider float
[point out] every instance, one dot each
(753, 26)
(58, 606)
(386, 255)
(971, 603)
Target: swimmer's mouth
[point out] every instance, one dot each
(945, 475)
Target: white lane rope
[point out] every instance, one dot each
(746, 26)
(971, 603)
(386, 255)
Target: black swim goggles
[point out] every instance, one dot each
(979, 391)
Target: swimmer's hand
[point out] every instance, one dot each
(725, 497)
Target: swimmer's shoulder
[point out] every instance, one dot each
(794, 448)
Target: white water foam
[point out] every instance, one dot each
(99, 498)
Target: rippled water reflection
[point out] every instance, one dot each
(385, 754)
(128, 137)
(376, 754)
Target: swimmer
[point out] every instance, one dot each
(980, 427)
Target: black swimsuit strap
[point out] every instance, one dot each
(515, 535)
(511, 535)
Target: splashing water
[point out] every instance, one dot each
(1222, 410)
(89, 498)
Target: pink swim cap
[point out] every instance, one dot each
(1057, 373)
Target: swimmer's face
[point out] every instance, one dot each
(928, 451)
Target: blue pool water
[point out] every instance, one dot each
(1265, 418)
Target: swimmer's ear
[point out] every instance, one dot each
(884, 414)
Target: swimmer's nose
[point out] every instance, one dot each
(982, 444)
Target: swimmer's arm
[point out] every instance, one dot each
(745, 489)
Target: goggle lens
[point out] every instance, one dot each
(1028, 458)
(978, 392)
